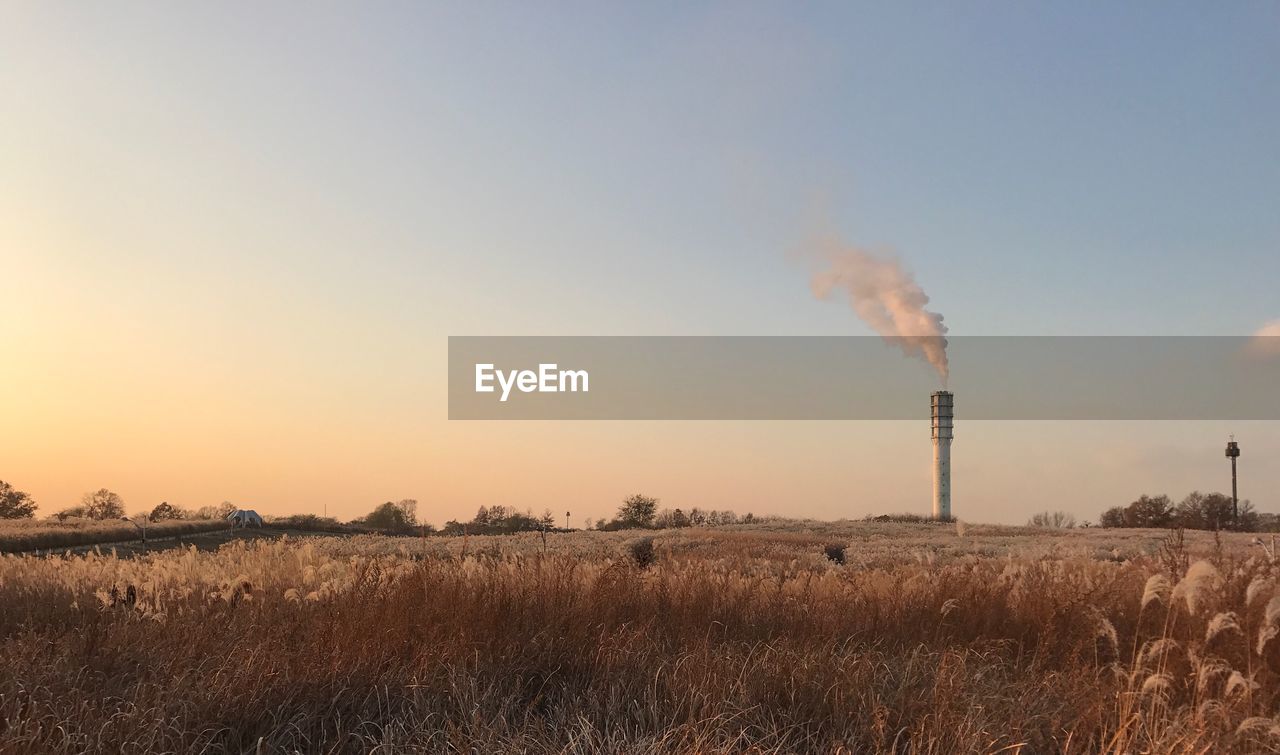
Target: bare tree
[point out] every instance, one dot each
(670, 518)
(102, 504)
(219, 511)
(1052, 519)
(166, 510)
(409, 510)
(1198, 511)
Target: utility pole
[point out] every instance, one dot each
(1233, 453)
(141, 528)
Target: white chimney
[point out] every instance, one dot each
(942, 403)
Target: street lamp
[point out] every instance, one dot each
(141, 528)
(1233, 453)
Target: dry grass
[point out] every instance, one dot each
(18, 535)
(739, 640)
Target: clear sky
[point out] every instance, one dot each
(235, 237)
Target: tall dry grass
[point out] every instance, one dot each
(728, 642)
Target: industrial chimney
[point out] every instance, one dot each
(942, 403)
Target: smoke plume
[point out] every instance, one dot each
(886, 297)
(1265, 344)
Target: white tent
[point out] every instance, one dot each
(244, 518)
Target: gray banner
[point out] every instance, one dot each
(862, 377)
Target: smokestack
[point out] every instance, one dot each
(942, 403)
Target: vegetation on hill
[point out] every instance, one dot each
(1198, 511)
(641, 512)
(394, 518)
(17, 535)
(497, 520)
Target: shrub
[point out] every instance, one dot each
(308, 522)
(642, 552)
(907, 518)
(1052, 520)
(834, 552)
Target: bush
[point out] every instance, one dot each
(308, 522)
(907, 518)
(642, 552)
(835, 552)
(1053, 519)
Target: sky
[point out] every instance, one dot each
(234, 238)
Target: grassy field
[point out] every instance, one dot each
(18, 535)
(927, 638)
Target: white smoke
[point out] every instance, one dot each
(1265, 344)
(886, 297)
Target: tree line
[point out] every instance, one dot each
(1198, 511)
(641, 512)
(392, 517)
(100, 504)
(635, 512)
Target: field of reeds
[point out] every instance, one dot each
(18, 535)
(780, 637)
